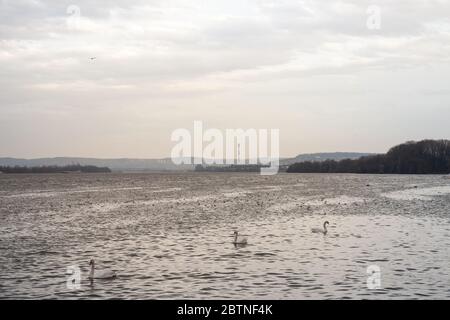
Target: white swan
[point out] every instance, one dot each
(104, 274)
(320, 230)
(239, 239)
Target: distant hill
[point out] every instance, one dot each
(337, 156)
(126, 164)
(113, 164)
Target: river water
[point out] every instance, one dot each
(169, 236)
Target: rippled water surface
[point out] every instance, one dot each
(170, 235)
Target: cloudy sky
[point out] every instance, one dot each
(313, 69)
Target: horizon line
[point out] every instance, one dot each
(166, 158)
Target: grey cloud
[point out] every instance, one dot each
(154, 57)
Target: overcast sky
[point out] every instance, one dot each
(313, 69)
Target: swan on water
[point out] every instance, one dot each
(103, 274)
(323, 230)
(239, 239)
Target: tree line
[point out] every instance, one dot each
(55, 169)
(231, 168)
(423, 157)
